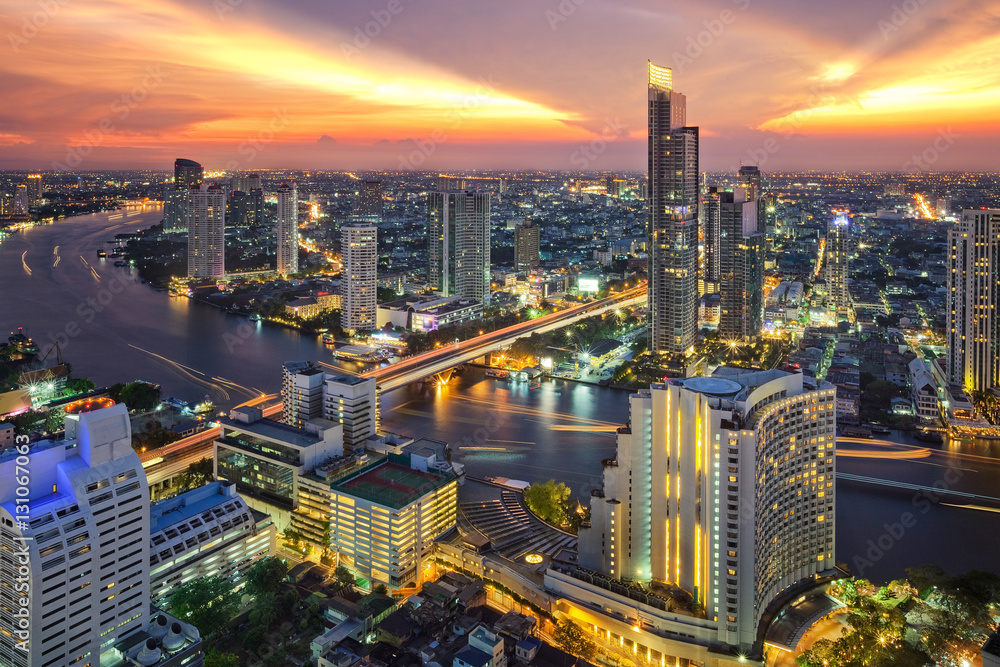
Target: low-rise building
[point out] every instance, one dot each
(923, 390)
(165, 641)
(429, 313)
(304, 307)
(208, 531)
(485, 649)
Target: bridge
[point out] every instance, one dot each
(444, 359)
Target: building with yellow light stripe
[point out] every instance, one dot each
(722, 486)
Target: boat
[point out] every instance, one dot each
(881, 430)
(22, 343)
(102, 253)
(928, 436)
(856, 432)
(121, 263)
(497, 373)
(329, 339)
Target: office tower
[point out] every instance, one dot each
(206, 225)
(35, 187)
(502, 186)
(353, 402)
(838, 266)
(204, 532)
(246, 182)
(458, 230)
(673, 219)
(302, 392)
(369, 205)
(6, 205)
(245, 208)
(21, 200)
(359, 280)
(724, 487)
(175, 207)
(450, 183)
(86, 538)
(741, 266)
(527, 237)
(287, 229)
(973, 343)
(749, 178)
(710, 212)
(187, 174)
(894, 189)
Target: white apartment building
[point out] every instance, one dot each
(84, 541)
(359, 278)
(287, 229)
(724, 487)
(206, 225)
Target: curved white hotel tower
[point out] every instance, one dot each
(722, 486)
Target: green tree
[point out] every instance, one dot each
(548, 500)
(139, 396)
(208, 604)
(198, 474)
(344, 576)
(255, 639)
(265, 611)
(380, 589)
(76, 386)
(266, 576)
(215, 658)
(569, 636)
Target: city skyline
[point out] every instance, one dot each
(877, 87)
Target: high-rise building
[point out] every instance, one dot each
(187, 174)
(206, 225)
(22, 201)
(246, 182)
(527, 240)
(82, 548)
(352, 401)
(838, 265)
(673, 219)
(741, 266)
(175, 209)
(502, 186)
(35, 187)
(245, 209)
(724, 487)
(750, 179)
(369, 205)
(301, 392)
(359, 278)
(710, 212)
(973, 342)
(942, 206)
(458, 229)
(287, 228)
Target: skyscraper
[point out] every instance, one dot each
(359, 279)
(837, 270)
(673, 219)
(287, 229)
(458, 230)
(749, 178)
(369, 206)
(84, 540)
(973, 343)
(245, 208)
(246, 181)
(206, 225)
(187, 174)
(35, 187)
(710, 212)
(22, 201)
(741, 266)
(724, 487)
(527, 237)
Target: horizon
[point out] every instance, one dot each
(255, 84)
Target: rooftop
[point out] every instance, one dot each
(390, 484)
(283, 433)
(189, 504)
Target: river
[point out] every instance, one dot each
(113, 328)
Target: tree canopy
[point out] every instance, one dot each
(548, 500)
(209, 604)
(266, 576)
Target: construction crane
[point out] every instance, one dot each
(59, 357)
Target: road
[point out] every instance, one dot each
(435, 361)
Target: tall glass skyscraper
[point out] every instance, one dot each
(458, 230)
(287, 229)
(673, 219)
(741, 265)
(838, 249)
(206, 225)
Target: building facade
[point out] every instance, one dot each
(741, 267)
(527, 241)
(207, 531)
(368, 209)
(838, 266)
(206, 225)
(724, 487)
(287, 230)
(673, 219)
(187, 174)
(359, 278)
(973, 336)
(458, 229)
(84, 541)
(352, 402)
